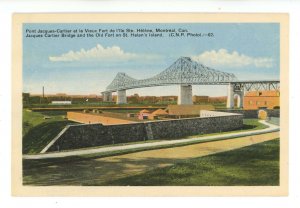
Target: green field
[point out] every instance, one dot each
(38, 131)
(256, 165)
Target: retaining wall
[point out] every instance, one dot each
(89, 135)
(273, 113)
(210, 113)
(253, 113)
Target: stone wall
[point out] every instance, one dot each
(210, 113)
(273, 113)
(89, 135)
(253, 113)
(179, 128)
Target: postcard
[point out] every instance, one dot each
(150, 104)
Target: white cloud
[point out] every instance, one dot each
(224, 58)
(100, 53)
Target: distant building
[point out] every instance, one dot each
(200, 99)
(130, 115)
(169, 98)
(61, 95)
(157, 114)
(143, 114)
(262, 99)
(179, 111)
(221, 99)
(114, 98)
(133, 98)
(61, 102)
(148, 99)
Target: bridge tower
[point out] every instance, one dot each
(232, 90)
(185, 95)
(121, 97)
(107, 96)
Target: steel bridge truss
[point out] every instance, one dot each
(184, 71)
(256, 86)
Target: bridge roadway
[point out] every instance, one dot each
(238, 88)
(186, 72)
(241, 82)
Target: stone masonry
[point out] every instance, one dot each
(90, 135)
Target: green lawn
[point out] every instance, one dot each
(33, 119)
(38, 132)
(252, 124)
(256, 165)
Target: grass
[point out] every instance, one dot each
(256, 165)
(33, 119)
(38, 132)
(39, 136)
(253, 124)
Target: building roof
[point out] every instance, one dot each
(144, 111)
(179, 110)
(159, 112)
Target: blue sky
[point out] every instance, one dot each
(88, 65)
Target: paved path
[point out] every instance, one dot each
(271, 128)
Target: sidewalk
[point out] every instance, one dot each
(271, 128)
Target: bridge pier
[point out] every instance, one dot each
(185, 95)
(107, 96)
(235, 90)
(230, 96)
(240, 101)
(121, 97)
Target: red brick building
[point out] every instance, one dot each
(262, 99)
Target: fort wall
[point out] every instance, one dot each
(91, 135)
(253, 113)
